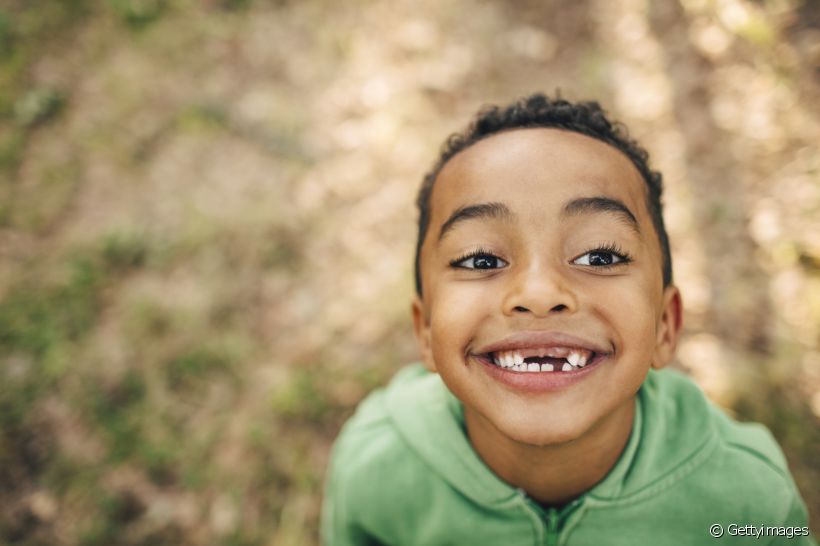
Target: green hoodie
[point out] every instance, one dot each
(404, 473)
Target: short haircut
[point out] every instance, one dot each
(539, 111)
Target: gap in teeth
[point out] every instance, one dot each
(552, 355)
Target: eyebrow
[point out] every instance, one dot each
(498, 211)
(585, 205)
(582, 205)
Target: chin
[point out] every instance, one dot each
(541, 432)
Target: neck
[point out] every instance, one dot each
(553, 474)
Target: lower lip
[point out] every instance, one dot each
(537, 382)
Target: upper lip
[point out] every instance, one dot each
(535, 339)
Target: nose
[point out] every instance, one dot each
(540, 290)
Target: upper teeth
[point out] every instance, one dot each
(508, 359)
(575, 358)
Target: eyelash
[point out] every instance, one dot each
(609, 248)
(473, 254)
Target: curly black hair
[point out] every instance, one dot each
(536, 111)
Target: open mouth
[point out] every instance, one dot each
(543, 359)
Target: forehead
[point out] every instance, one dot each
(537, 170)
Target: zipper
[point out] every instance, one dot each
(551, 517)
(552, 527)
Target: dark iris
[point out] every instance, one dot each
(485, 262)
(600, 258)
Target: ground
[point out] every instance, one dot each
(206, 230)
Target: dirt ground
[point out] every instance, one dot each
(207, 228)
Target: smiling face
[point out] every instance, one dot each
(540, 249)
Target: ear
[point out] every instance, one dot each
(669, 327)
(421, 327)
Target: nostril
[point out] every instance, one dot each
(558, 308)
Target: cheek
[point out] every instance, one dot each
(457, 312)
(632, 310)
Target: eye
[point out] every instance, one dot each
(602, 257)
(479, 260)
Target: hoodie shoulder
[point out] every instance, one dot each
(752, 439)
(752, 459)
(372, 466)
(742, 471)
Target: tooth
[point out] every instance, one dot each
(519, 359)
(582, 360)
(533, 367)
(504, 360)
(517, 368)
(567, 367)
(573, 358)
(546, 367)
(511, 359)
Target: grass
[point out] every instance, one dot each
(37, 320)
(138, 14)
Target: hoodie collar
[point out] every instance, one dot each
(666, 436)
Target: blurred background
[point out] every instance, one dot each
(207, 230)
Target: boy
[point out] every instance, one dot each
(545, 309)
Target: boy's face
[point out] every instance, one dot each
(540, 243)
